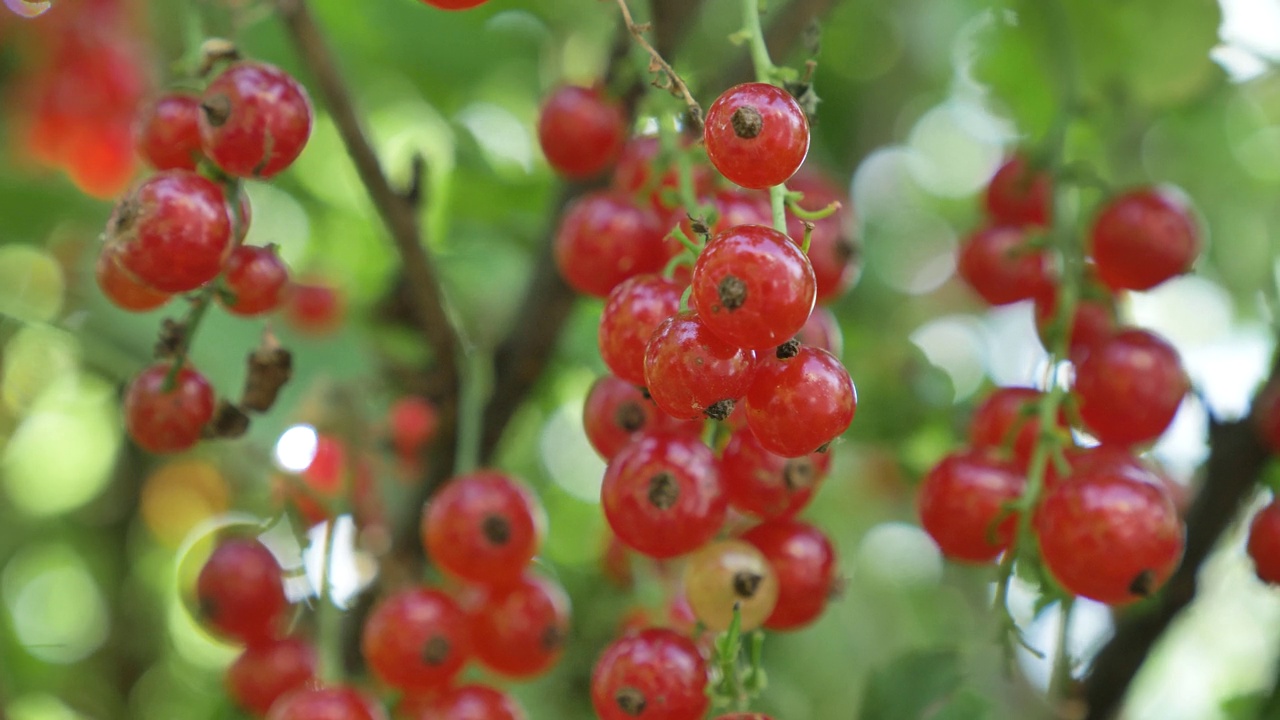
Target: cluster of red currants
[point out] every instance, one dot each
(1105, 519)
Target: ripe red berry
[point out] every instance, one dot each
(455, 4)
(313, 307)
(632, 312)
(328, 703)
(164, 419)
(768, 485)
(662, 495)
(171, 232)
(798, 404)
(1142, 238)
(999, 264)
(605, 238)
(638, 171)
(1264, 543)
(412, 422)
(416, 639)
(616, 412)
(1093, 322)
(124, 291)
(822, 330)
(255, 119)
(725, 575)
(1019, 194)
(963, 505)
(1007, 420)
(833, 244)
(484, 527)
(240, 591)
(581, 130)
(1110, 533)
(168, 132)
(520, 631)
(465, 702)
(263, 673)
(753, 287)
(1130, 387)
(804, 561)
(756, 135)
(256, 279)
(733, 207)
(691, 372)
(650, 675)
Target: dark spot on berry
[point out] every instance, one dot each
(719, 410)
(217, 110)
(436, 651)
(552, 638)
(733, 293)
(124, 217)
(1144, 584)
(208, 607)
(823, 447)
(799, 473)
(629, 416)
(630, 701)
(645, 392)
(788, 349)
(745, 584)
(747, 122)
(663, 490)
(496, 529)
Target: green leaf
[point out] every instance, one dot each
(911, 685)
(966, 705)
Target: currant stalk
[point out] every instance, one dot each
(765, 72)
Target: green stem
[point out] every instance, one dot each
(1060, 680)
(195, 315)
(477, 383)
(778, 204)
(669, 137)
(755, 38)
(328, 617)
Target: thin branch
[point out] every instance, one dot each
(788, 28)
(656, 63)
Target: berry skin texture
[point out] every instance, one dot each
(662, 495)
(962, 505)
(257, 279)
(804, 561)
(616, 412)
(122, 290)
(329, 703)
(999, 265)
(768, 485)
(581, 131)
(263, 673)
(167, 421)
(633, 310)
(169, 132)
(654, 674)
(171, 232)
(255, 119)
(416, 639)
(520, 631)
(797, 405)
(756, 135)
(1130, 387)
(466, 702)
(993, 423)
(726, 573)
(240, 592)
(1110, 533)
(1143, 238)
(691, 372)
(1019, 195)
(483, 527)
(753, 287)
(455, 4)
(605, 238)
(1264, 543)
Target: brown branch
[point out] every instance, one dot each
(656, 63)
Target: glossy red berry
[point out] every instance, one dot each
(255, 119)
(634, 309)
(171, 232)
(1093, 322)
(1110, 533)
(240, 591)
(799, 404)
(756, 135)
(520, 630)
(484, 526)
(833, 243)
(605, 238)
(313, 307)
(124, 291)
(1007, 423)
(167, 419)
(1019, 194)
(465, 702)
(256, 279)
(822, 330)
(663, 496)
(1143, 238)
(617, 411)
(455, 4)
(168, 132)
(963, 503)
(691, 372)
(1130, 387)
(804, 561)
(653, 674)
(732, 208)
(1000, 265)
(638, 171)
(753, 287)
(1264, 543)
(327, 703)
(767, 485)
(416, 639)
(265, 672)
(581, 131)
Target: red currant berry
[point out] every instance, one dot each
(1110, 533)
(169, 132)
(798, 404)
(1002, 267)
(732, 208)
(753, 287)
(484, 527)
(634, 309)
(617, 411)
(455, 4)
(166, 419)
(691, 372)
(637, 172)
(313, 307)
(1093, 322)
(662, 495)
(466, 702)
(263, 673)
(804, 561)
(1130, 387)
(1143, 238)
(1266, 416)
(255, 119)
(171, 232)
(756, 135)
(412, 422)
(416, 639)
(256, 278)
(822, 331)
(520, 631)
(1264, 543)
(1019, 194)
(833, 244)
(605, 238)
(581, 131)
(963, 504)
(768, 485)
(122, 290)
(648, 675)
(240, 591)
(1007, 420)
(329, 703)
(726, 575)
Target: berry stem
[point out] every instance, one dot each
(1060, 680)
(677, 85)
(328, 617)
(195, 315)
(477, 383)
(765, 71)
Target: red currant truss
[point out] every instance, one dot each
(484, 526)
(1020, 194)
(123, 290)
(768, 485)
(633, 310)
(455, 4)
(464, 702)
(964, 504)
(1143, 238)
(1264, 543)
(753, 287)
(168, 132)
(255, 119)
(416, 639)
(1002, 266)
(662, 495)
(581, 130)
(171, 232)
(833, 243)
(327, 703)
(1110, 533)
(726, 575)
(691, 372)
(255, 280)
(520, 631)
(654, 674)
(799, 403)
(166, 411)
(240, 592)
(617, 411)
(605, 238)
(1007, 423)
(756, 135)
(265, 672)
(804, 560)
(1130, 387)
